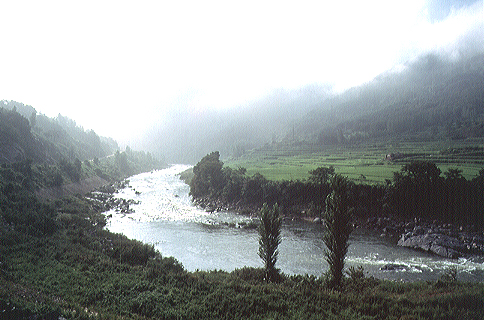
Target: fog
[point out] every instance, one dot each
(182, 79)
(185, 135)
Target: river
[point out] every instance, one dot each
(166, 218)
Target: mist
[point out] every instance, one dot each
(183, 80)
(187, 132)
(184, 135)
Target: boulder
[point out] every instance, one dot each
(393, 267)
(440, 244)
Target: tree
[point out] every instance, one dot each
(269, 240)
(33, 119)
(208, 178)
(417, 191)
(321, 175)
(337, 221)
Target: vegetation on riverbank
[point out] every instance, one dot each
(84, 272)
(56, 259)
(417, 191)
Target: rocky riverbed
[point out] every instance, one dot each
(104, 199)
(445, 240)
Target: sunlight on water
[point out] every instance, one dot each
(166, 218)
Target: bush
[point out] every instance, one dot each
(132, 252)
(162, 266)
(449, 276)
(249, 274)
(355, 274)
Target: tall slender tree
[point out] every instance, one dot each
(269, 240)
(337, 220)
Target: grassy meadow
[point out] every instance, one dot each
(364, 163)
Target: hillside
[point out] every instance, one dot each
(432, 98)
(25, 134)
(54, 158)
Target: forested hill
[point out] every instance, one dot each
(44, 159)
(431, 98)
(25, 134)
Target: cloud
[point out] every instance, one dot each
(113, 65)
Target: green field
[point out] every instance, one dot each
(361, 163)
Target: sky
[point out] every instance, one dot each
(118, 67)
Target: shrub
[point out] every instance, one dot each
(249, 274)
(162, 266)
(449, 275)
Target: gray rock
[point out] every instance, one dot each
(440, 244)
(393, 267)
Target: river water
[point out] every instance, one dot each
(166, 218)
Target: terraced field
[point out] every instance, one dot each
(362, 163)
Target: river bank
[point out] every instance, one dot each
(442, 239)
(202, 239)
(83, 271)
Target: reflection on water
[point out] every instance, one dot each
(200, 240)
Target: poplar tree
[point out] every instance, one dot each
(269, 240)
(337, 220)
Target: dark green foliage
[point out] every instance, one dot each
(253, 189)
(338, 223)
(234, 182)
(450, 275)
(355, 273)
(158, 267)
(249, 274)
(18, 206)
(321, 175)
(269, 240)
(28, 214)
(213, 182)
(131, 251)
(71, 169)
(57, 179)
(419, 191)
(208, 180)
(122, 162)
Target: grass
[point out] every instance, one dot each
(362, 163)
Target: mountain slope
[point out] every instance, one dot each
(24, 134)
(432, 98)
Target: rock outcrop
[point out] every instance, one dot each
(444, 242)
(439, 244)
